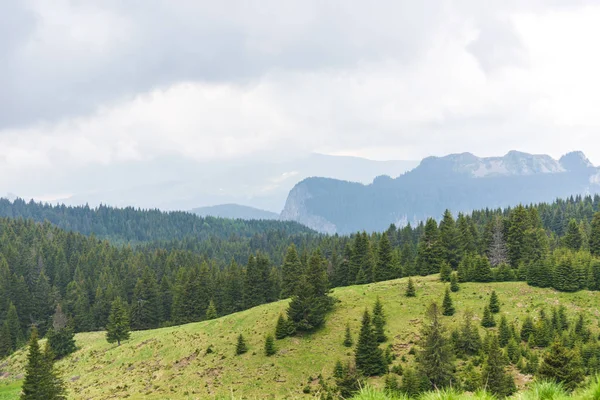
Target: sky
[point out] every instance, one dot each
(87, 85)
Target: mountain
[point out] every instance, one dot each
(459, 182)
(175, 183)
(234, 211)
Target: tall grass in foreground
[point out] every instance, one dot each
(536, 391)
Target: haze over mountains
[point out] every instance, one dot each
(459, 182)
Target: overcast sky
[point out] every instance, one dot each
(97, 83)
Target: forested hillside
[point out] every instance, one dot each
(127, 225)
(41, 266)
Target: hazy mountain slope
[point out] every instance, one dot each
(173, 183)
(234, 211)
(173, 362)
(460, 182)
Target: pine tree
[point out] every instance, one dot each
(454, 286)
(435, 359)
(291, 271)
(117, 329)
(594, 241)
(41, 380)
(447, 306)
(348, 342)
(488, 318)
(504, 333)
(561, 365)
(495, 379)
(410, 288)
(379, 321)
(241, 346)
(270, 346)
(494, 304)
(368, 356)
(211, 311)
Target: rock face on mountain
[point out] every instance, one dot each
(461, 182)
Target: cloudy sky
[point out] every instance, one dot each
(88, 84)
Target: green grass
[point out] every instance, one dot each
(171, 363)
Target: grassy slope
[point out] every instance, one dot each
(171, 362)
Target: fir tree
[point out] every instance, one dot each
(454, 286)
(495, 379)
(368, 356)
(379, 321)
(561, 365)
(488, 318)
(348, 342)
(241, 347)
(447, 306)
(270, 346)
(435, 359)
(41, 380)
(117, 329)
(410, 288)
(211, 311)
(494, 304)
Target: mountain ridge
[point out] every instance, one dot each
(461, 182)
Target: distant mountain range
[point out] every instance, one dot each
(183, 184)
(459, 182)
(234, 211)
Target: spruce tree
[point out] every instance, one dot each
(445, 272)
(594, 241)
(469, 341)
(282, 328)
(430, 250)
(435, 360)
(211, 311)
(241, 347)
(61, 338)
(5, 342)
(411, 383)
(573, 238)
(454, 286)
(504, 333)
(117, 329)
(41, 380)
(494, 304)
(449, 240)
(368, 356)
(527, 329)
(291, 271)
(348, 342)
(410, 288)
(561, 365)
(494, 377)
(488, 318)
(270, 346)
(565, 277)
(145, 304)
(447, 306)
(384, 268)
(14, 327)
(379, 321)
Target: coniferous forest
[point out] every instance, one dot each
(54, 279)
